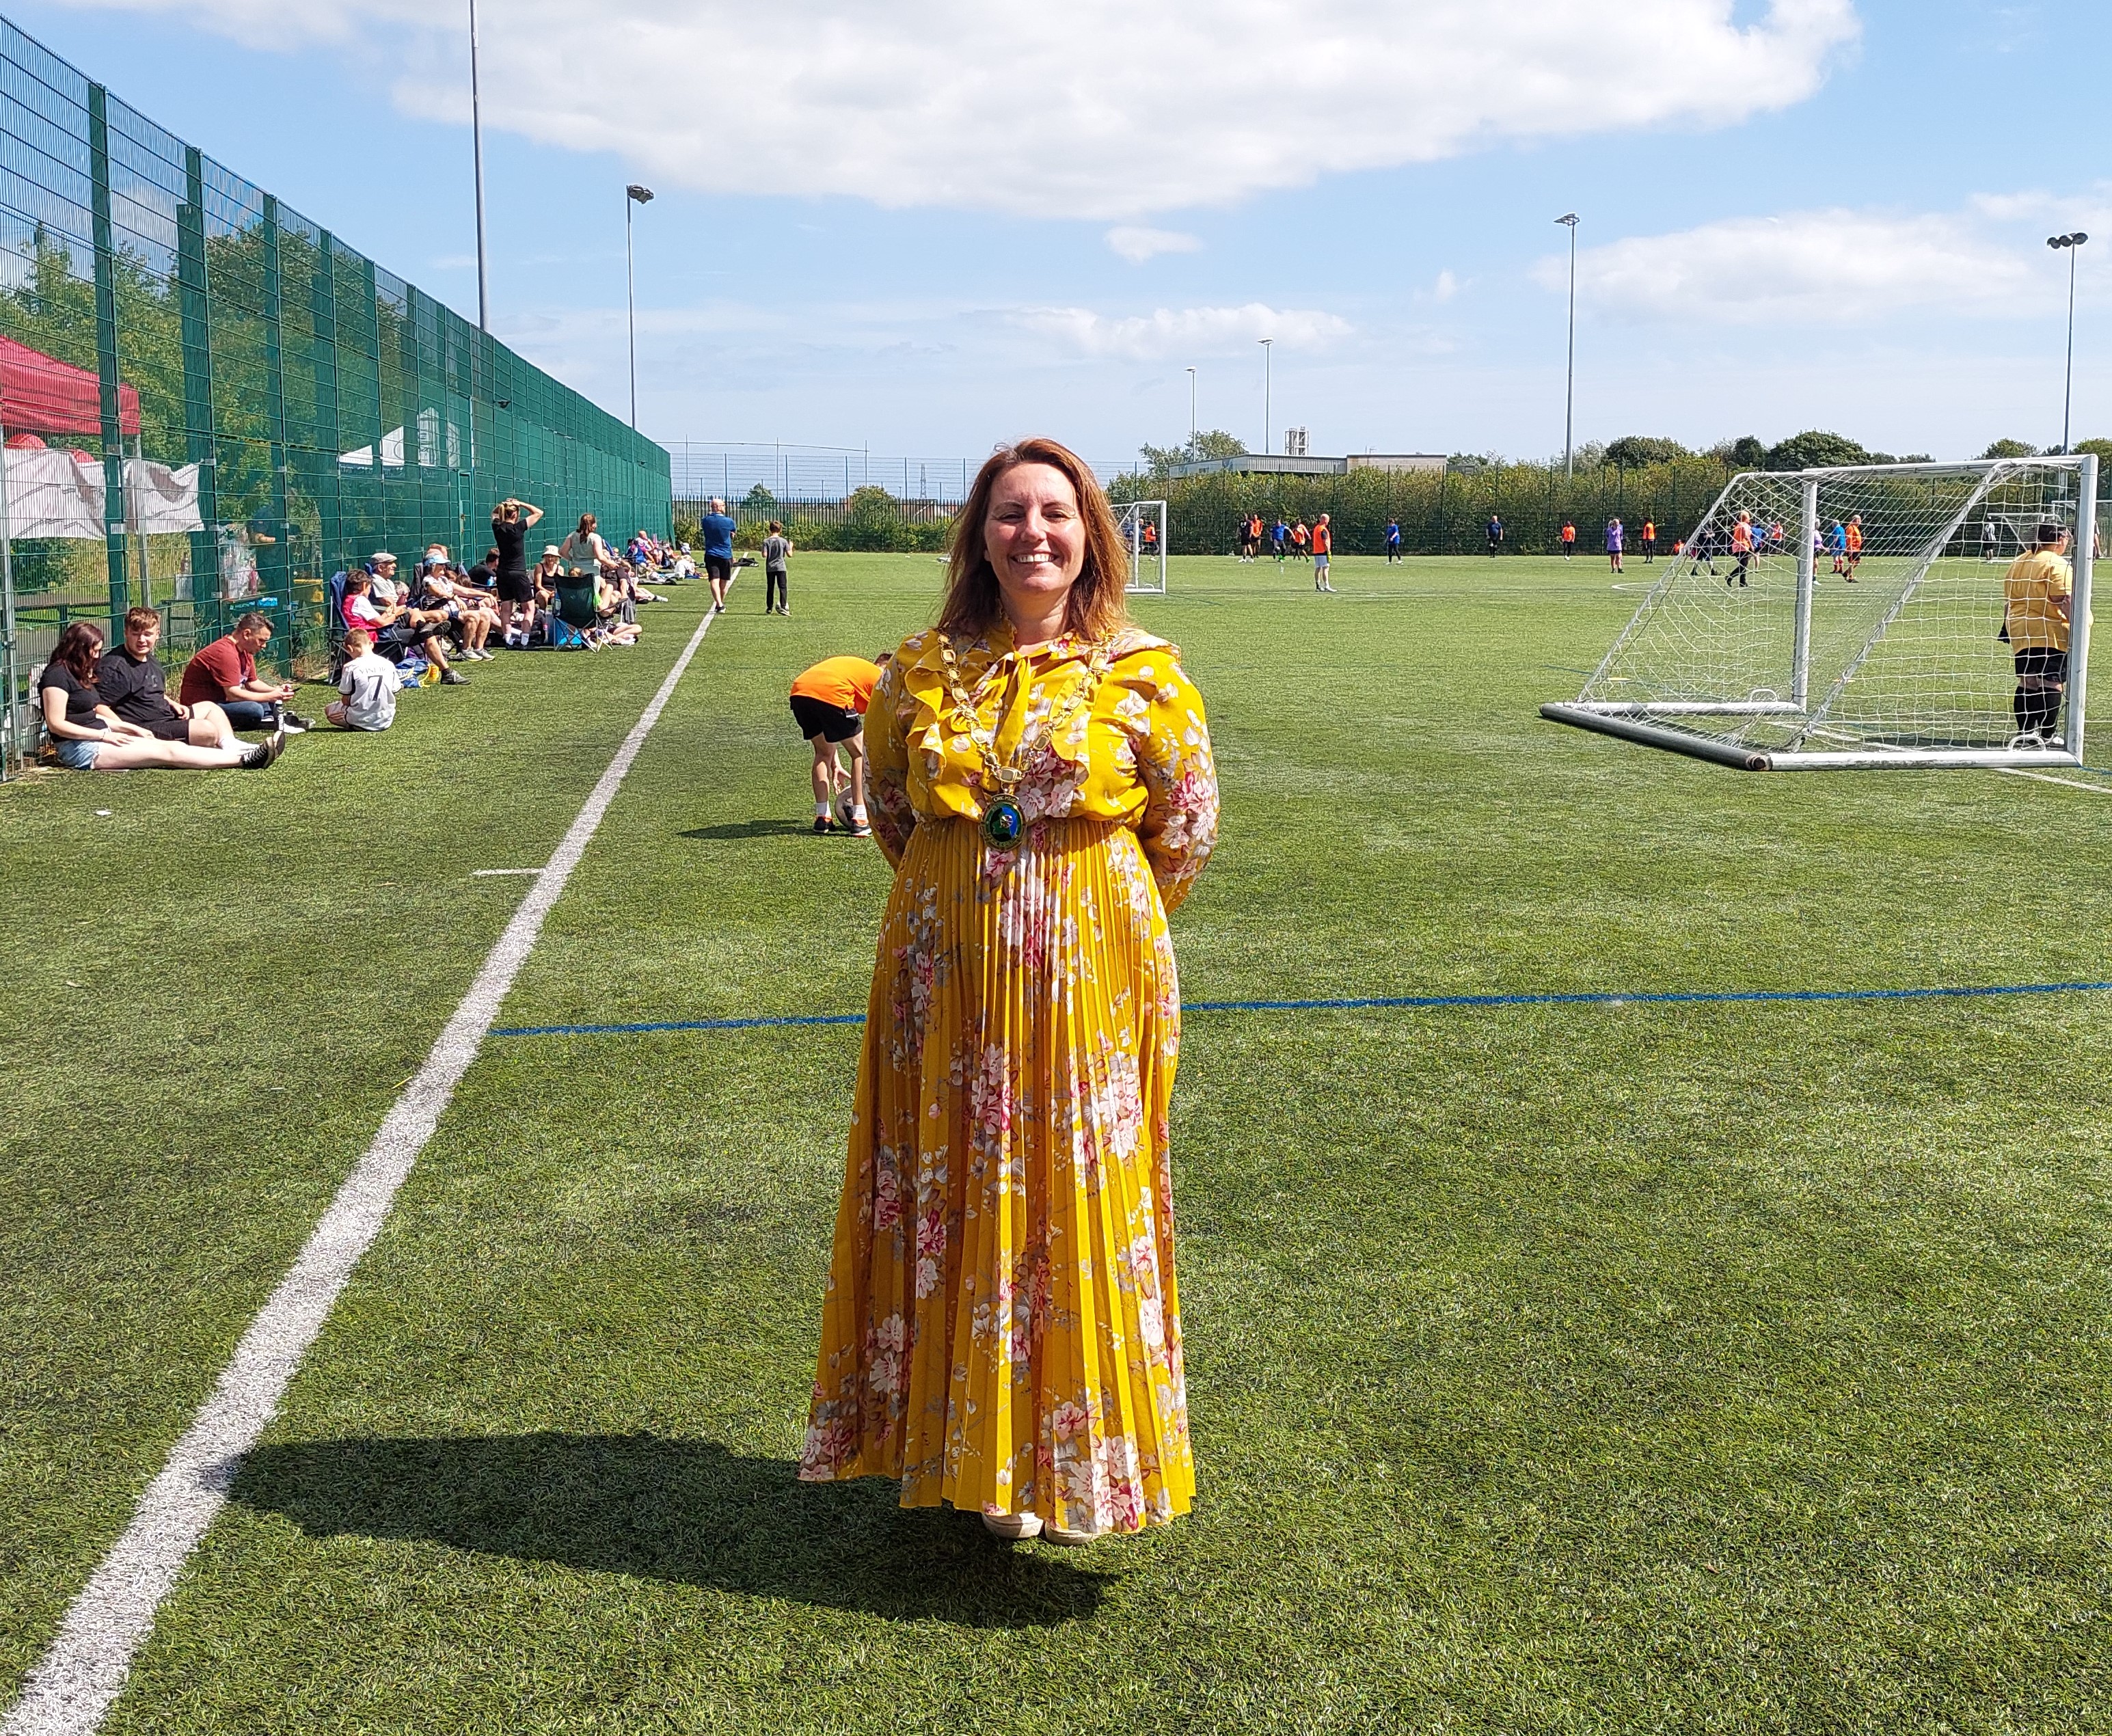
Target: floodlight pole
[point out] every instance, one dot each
(1191, 415)
(1268, 367)
(2067, 244)
(634, 194)
(1568, 221)
(476, 151)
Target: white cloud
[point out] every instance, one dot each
(1188, 331)
(1811, 267)
(1444, 289)
(1093, 109)
(1136, 245)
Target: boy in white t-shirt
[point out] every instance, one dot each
(369, 685)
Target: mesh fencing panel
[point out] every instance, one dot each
(211, 403)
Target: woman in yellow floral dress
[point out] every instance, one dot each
(1001, 1328)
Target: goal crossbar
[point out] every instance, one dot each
(1913, 666)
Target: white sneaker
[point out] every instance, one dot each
(1014, 1528)
(1063, 1539)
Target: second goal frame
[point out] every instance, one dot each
(1143, 526)
(1739, 668)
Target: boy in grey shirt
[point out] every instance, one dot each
(369, 685)
(776, 552)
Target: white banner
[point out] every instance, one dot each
(51, 492)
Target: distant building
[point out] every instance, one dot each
(1263, 464)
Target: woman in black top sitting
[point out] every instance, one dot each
(88, 736)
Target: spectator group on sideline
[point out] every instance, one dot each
(108, 709)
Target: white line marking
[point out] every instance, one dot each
(490, 873)
(83, 1671)
(2048, 777)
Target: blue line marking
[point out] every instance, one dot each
(1682, 997)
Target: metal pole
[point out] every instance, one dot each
(1268, 364)
(633, 194)
(1568, 221)
(630, 303)
(2078, 631)
(476, 148)
(11, 727)
(1191, 415)
(1806, 583)
(2068, 377)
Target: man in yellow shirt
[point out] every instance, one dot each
(2038, 600)
(829, 703)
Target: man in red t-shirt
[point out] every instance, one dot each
(225, 674)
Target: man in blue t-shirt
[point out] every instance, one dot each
(1280, 538)
(718, 528)
(1393, 540)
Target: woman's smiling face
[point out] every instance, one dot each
(1035, 536)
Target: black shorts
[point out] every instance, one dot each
(719, 567)
(818, 717)
(171, 728)
(514, 587)
(2045, 662)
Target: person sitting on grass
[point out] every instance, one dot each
(391, 630)
(829, 703)
(87, 736)
(225, 674)
(130, 682)
(368, 684)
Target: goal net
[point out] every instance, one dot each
(1858, 616)
(1143, 526)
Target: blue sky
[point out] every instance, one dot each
(930, 225)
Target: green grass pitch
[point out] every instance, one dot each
(1553, 1368)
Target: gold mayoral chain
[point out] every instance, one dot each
(1005, 822)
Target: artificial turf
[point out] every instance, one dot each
(1552, 1367)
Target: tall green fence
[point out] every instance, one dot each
(211, 403)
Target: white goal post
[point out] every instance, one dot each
(1143, 526)
(1855, 617)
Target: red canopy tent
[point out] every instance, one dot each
(40, 392)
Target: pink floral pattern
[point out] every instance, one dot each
(1001, 1329)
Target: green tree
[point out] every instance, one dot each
(1636, 451)
(872, 520)
(1814, 449)
(1748, 452)
(760, 498)
(2103, 448)
(2010, 449)
(1215, 443)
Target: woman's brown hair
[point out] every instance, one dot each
(1095, 609)
(586, 525)
(78, 648)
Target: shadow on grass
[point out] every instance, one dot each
(687, 1512)
(753, 829)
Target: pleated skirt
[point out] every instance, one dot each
(1001, 1329)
